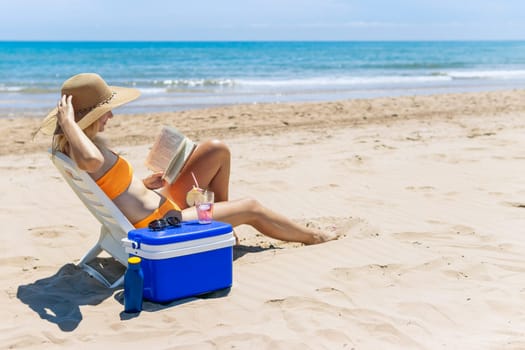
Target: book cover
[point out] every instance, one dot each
(169, 153)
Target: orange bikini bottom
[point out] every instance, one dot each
(157, 213)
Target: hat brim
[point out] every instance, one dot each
(122, 95)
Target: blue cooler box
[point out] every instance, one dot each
(183, 261)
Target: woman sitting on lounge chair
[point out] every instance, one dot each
(84, 109)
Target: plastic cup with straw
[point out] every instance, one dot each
(195, 193)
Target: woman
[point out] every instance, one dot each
(84, 110)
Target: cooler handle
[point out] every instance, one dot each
(129, 243)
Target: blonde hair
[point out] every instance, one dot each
(61, 143)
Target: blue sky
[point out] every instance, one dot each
(262, 20)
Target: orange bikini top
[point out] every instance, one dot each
(117, 179)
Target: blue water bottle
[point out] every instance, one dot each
(133, 286)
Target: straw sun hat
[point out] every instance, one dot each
(92, 98)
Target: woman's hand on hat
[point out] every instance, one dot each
(65, 109)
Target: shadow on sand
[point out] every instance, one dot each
(241, 250)
(58, 298)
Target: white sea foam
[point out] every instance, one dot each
(488, 74)
(339, 82)
(343, 81)
(197, 82)
(151, 91)
(295, 85)
(4, 88)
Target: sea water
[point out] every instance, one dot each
(183, 75)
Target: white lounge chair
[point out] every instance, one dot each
(115, 225)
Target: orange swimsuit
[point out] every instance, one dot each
(117, 180)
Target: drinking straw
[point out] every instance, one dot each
(195, 179)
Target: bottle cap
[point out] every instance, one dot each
(134, 260)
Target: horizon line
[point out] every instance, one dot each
(248, 41)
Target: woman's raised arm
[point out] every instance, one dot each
(81, 149)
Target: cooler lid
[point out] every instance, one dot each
(189, 230)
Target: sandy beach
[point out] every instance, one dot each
(427, 193)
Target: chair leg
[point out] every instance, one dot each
(91, 255)
(118, 282)
(96, 275)
(111, 243)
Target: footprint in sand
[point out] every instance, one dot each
(46, 235)
(434, 157)
(324, 187)
(25, 263)
(426, 191)
(383, 146)
(312, 316)
(354, 160)
(53, 231)
(515, 204)
(463, 230)
(420, 188)
(496, 194)
(479, 133)
(272, 186)
(373, 275)
(334, 294)
(278, 165)
(48, 232)
(272, 164)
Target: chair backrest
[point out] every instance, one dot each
(98, 203)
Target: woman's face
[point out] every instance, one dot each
(103, 120)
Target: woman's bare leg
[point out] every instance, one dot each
(266, 221)
(210, 162)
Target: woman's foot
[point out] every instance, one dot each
(321, 237)
(321, 233)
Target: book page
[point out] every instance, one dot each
(179, 159)
(164, 149)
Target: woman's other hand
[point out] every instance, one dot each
(154, 181)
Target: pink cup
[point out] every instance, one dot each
(204, 206)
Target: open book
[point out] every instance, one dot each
(169, 153)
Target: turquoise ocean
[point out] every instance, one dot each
(185, 75)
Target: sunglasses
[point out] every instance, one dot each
(161, 224)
